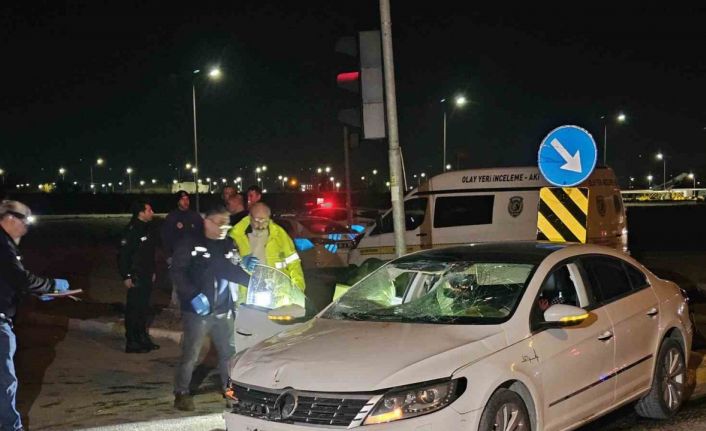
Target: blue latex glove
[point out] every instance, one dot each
(61, 285)
(46, 298)
(200, 304)
(249, 262)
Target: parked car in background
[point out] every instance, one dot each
(362, 217)
(487, 336)
(320, 242)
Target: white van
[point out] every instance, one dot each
(495, 204)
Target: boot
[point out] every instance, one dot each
(146, 341)
(134, 347)
(184, 402)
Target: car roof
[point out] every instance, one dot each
(506, 251)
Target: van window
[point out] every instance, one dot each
(414, 209)
(463, 210)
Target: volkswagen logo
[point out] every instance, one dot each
(285, 404)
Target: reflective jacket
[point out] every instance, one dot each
(279, 249)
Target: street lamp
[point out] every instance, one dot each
(62, 171)
(663, 158)
(448, 167)
(99, 162)
(129, 178)
(649, 180)
(2, 174)
(213, 74)
(692, 177)
(620, 118)
(459, 101)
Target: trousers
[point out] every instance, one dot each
(9, 416)
(137, 307)
(220, 328)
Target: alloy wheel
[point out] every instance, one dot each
(673, 379)
(511, 417)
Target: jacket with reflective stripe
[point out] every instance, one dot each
(279, 249)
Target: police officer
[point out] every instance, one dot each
(206, 276)
(136, 264)
(15, 283)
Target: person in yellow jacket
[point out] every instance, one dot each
(257, 236)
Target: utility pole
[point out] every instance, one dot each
(396, 192)
(346, 160)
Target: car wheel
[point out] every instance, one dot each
(668, 385)
(505, 411)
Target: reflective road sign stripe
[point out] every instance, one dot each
(563, 214)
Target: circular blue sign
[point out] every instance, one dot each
(567, 156)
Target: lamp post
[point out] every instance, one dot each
(2, 174)
(649, 181)
(692, 177)
(214, 74)
(128, 171)
(459, 101)
(99, 162)
(62, 171)
(663, 158)
(620, 118)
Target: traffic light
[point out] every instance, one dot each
(367, 80)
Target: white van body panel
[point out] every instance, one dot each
(507, 201)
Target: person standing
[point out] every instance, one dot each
(254, 195)
(236, 207)
(15, 283)
(180, 223)
(261, 240)
(226, 193)
(136, 263)
(206, 275)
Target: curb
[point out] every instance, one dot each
(97, 327)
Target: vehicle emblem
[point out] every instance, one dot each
(515, 205)
(285, 405)
(600, 201)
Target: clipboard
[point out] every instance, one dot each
(65, 293)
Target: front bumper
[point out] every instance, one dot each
(446, 419)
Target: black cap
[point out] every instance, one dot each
(180, 194)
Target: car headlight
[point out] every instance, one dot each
(412, 401)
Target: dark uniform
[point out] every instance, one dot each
(136, 261)
(206, 266)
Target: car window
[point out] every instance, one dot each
(415, 211)
(637, 278)
(463, 210)
(607, 276)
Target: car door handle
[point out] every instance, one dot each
(607, 335)
(422, 234)
(243, 333)
(653, 312)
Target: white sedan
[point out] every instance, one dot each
(494, 336)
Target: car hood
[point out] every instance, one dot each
(354, 356)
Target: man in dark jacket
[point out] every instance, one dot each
(137, 268)
(15, 283)
(206, 276)
(179, 224)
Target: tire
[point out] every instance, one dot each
(505, 411)
(667, 393)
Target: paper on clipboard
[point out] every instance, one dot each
(65, 293)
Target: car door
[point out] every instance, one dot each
(573, 360)
(634, 309)
(268, 288)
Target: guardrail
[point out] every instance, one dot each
(664, 195)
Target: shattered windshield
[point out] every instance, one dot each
(435, 291)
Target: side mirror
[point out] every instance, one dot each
(287, 314)
(562, 315)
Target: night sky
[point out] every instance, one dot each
(85, 80)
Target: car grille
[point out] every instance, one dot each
(312, 408)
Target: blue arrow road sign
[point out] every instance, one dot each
(567, 156)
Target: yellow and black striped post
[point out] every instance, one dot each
(563, 214)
